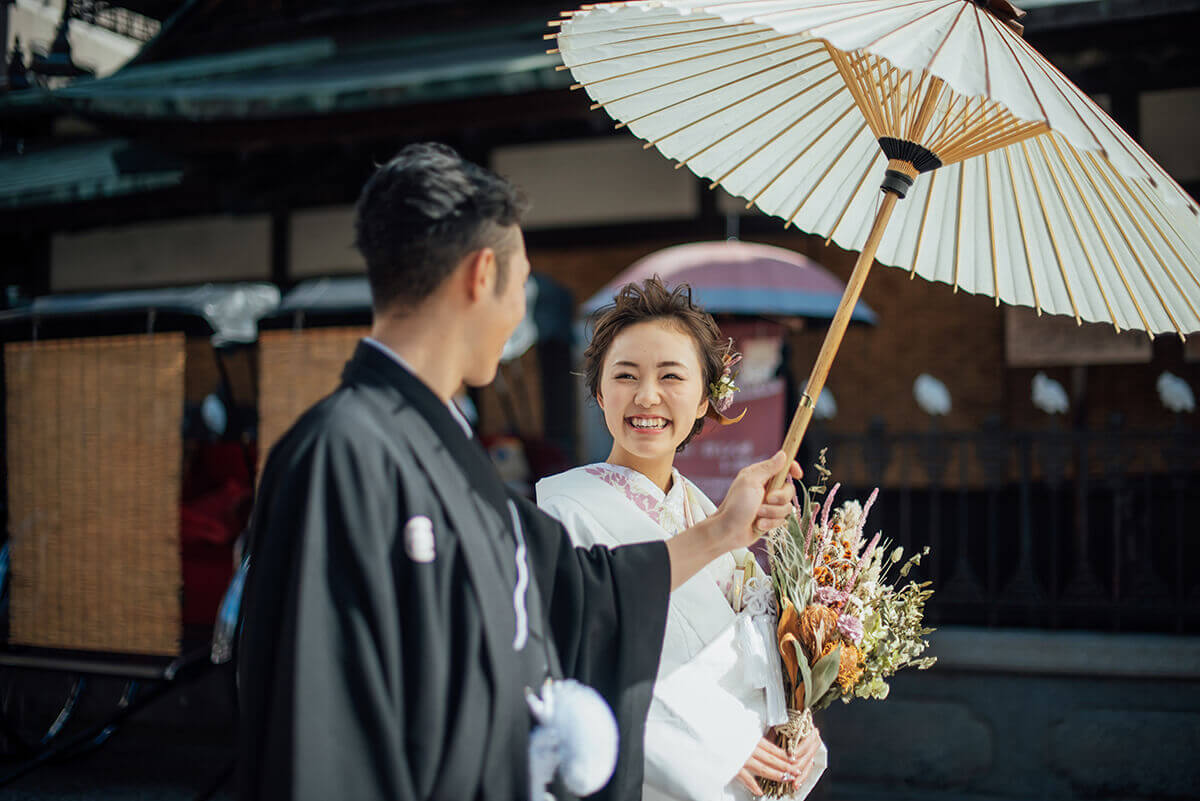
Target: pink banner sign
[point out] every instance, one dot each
(712, 459)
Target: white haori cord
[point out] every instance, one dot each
(576, 735)
(519, 592)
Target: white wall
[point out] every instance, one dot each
(597, 182)
(322, 242)
(155, 254)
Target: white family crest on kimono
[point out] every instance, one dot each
(719, 684)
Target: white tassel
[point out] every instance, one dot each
(755, 640)
(576, 736)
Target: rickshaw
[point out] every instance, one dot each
(129, 457)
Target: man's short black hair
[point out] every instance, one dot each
(421, 213)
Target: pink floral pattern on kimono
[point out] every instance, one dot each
(670, 510)
(641, 499)
(659, 507)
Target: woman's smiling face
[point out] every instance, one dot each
(652, 392)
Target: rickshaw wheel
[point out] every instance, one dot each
(35, 709)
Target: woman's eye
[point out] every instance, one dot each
(621, 376)
(673, 376)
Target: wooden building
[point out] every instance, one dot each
(232, 146)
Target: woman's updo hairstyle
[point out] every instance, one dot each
(651, 300)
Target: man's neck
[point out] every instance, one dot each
(423, 340)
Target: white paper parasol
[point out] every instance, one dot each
(1018, 185)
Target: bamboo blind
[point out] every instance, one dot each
(94, 462)
(298, 368)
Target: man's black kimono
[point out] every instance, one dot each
(369, 668)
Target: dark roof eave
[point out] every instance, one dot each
(213, 106)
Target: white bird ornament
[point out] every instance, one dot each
(1049, 395)
(932, 395)
(1175, 393)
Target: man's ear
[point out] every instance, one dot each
(481, 273)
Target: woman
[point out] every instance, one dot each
(657, 366)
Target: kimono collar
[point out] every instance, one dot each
(372, 366)
(454, 410)
(669, 510)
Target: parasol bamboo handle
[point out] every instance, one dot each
(833, 338)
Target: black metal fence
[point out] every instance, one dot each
(1081, 529)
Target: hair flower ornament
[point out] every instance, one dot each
(721, 391)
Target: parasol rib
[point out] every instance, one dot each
(987, 186)
(676, 62)
(921, 228)
(881, 81)
(893, 98)
(645, 25)
(621, 42)
(750, 122)
(693, 76)
(912, 108)
(737, 102)
(958, 217)
(1050, 229)
(985, 143)
(798, 156)
(954, 147)
(1012, 177)
(1021, 67)
(861, 69)
(1133, 250)
(945, 38)
(828, 169)
(1167, 220)
(835, 4)
(849, 202)
(758, 17)
(857, 88)
(977, 126)
(933, 94)
(941, 131)
(987, 67)
(1056, 79)
(1087, 254)
(1135, 152)
(878, 83)
(871, 44)
(904, 119)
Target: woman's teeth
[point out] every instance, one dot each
(656, 423)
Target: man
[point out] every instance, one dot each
(399, 601)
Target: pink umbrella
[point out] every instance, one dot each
(742, 278)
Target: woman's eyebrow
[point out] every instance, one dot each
(624, 363)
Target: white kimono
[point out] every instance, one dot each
(707, 715)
